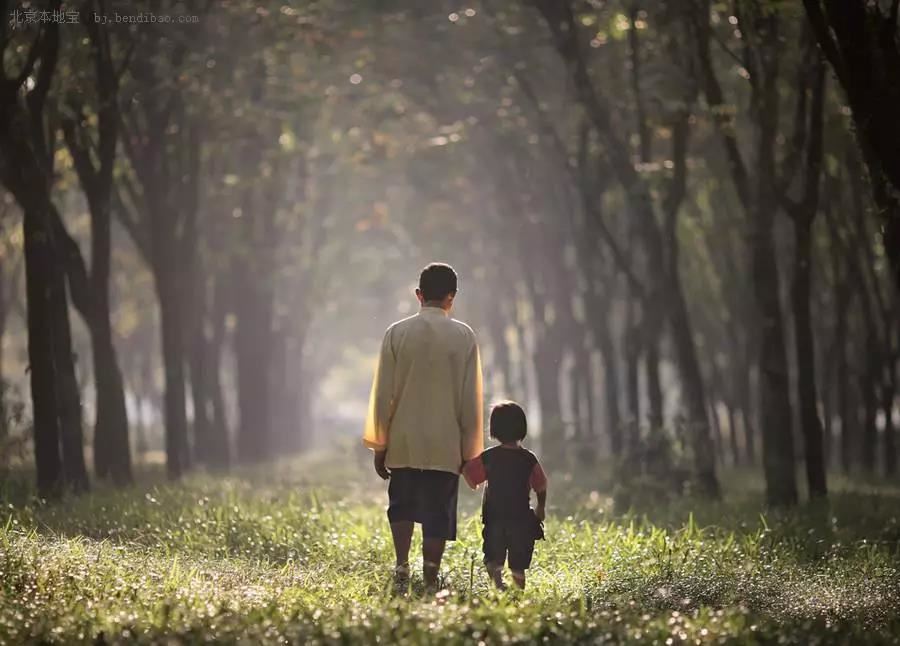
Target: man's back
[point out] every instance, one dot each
(427, 394)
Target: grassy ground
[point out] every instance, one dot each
(271, 556)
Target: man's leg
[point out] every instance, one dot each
(496, 573)
(402, 531)
(432, 553)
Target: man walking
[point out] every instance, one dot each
(425, 419)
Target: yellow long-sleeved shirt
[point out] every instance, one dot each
(426, 401)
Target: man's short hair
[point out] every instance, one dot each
(508, 423)
(437, 281)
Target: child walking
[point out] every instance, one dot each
(511, 472)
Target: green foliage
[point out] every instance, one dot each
(265, 556)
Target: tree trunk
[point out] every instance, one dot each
(252, 348)
(860, 41)
(610, 383)
(890, 432)
(547, 357)
(774, 382)
(846, 403)
(42, 289)
(632, 373)
(654, 390)
(868, 385)
(204, 441)
(806, 370)
(733, 436)
(172, 341)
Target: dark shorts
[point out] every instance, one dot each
(427, 497)
(512, 539)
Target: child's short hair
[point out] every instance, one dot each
(508, 423)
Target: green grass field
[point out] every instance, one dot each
(266, 555)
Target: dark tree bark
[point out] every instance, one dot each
(211, 442)
(760, 204)
(888, 393)
(162, 141)
(90, 292)
(803, 215)
(254, 329)
(666, 288)
(860, 40)
(26, 170)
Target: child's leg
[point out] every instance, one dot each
(494, 547)
(520, 560)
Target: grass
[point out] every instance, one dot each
(273, 555)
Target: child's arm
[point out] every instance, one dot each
(474, 473)
(538, 482)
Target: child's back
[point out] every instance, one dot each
(511, 473)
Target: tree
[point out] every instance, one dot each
(90, 290)
(860, 40)
(26, 169)
(666, 286)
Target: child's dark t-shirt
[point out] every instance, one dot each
(511, 474)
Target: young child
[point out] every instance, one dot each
(511, 472)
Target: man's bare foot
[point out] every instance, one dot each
(401, 579)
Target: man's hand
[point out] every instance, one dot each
(539, 512)
(380, 469)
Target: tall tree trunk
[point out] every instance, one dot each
(803, 215)
(204, 440)
(252, 348)
(26, 168)
(90, 291)
(666, 289)
(860, 41)
(547, 356)
(733, 436)
(41, 289)
(632, 372)
(745, 400)
(806, 370)
(610, 383)
(654, 389)
(868, 384)
(172, 342)
(890, 431)
(775, 403)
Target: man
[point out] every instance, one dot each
(425, 419)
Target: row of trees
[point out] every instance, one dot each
(690, 195)
(676, 223)
(173, 136)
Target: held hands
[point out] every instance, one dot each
(380, 469)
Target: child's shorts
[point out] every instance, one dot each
(511, 541)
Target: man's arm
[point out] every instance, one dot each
(471, 422)
(378, 418)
